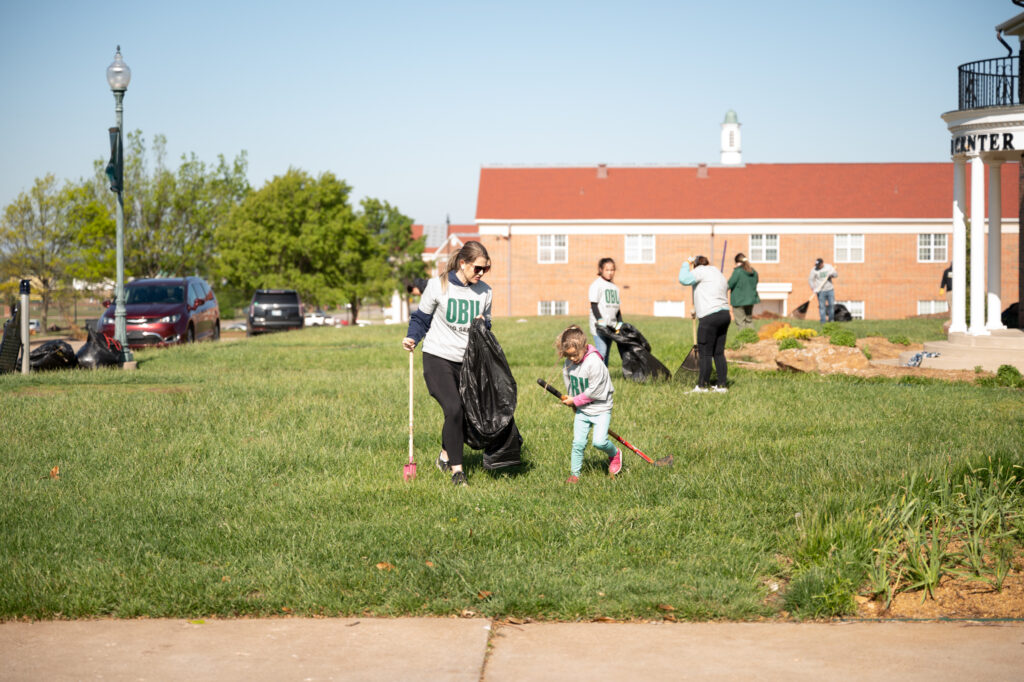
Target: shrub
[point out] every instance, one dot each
(830, 328)
(789, 342)
(793, 333)
(900, 339)
(746, 336)
(1006, 376)
(843, 337)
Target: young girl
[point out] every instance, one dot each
(590, 392)
(604, 306)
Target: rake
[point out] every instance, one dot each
(663, 462)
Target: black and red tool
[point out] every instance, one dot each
(663, 462)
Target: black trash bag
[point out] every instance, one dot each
(10, 346)
(840, 313)
(1009, 317)
(505, 449)
(489, 395)
(53, 355)
(100, 351)
(637, 362)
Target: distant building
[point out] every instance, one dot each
(886, 228)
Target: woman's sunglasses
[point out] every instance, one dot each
(481, 269)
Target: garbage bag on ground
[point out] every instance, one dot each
(637, 362)
(840, 313)
(100, 351)
(10, 346)
(54, 354)
(489, 396)
(1009, 317)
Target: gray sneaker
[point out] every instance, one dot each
(442, 464)
(459, 478)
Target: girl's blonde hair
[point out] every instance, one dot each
(571, 339)
(743, 262)
(469, 252)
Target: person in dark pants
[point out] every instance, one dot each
(947, 285)
(711, 304)
(447, 308)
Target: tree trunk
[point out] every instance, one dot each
(355, 310)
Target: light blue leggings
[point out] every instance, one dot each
(580, 427)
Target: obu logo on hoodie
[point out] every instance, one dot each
(577, 385)
(461, 311)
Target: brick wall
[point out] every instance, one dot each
(890, 281)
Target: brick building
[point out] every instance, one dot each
(886, 227)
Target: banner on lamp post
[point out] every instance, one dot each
(115, 168)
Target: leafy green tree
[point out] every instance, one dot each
(35, 239)
(394, 233)
(296, 232)
(171, 215)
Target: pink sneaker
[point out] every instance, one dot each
(615, 463)
(572, 479)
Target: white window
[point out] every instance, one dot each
(764, 248)
(552, 307)
(552, 248)
(932, 307)
(849, 248)
(931, 248)
(856, 308)
(639, 248)
(670, 308)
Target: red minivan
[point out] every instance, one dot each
(161, 312)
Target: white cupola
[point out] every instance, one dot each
(731, 148)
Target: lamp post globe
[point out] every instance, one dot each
(118, 77)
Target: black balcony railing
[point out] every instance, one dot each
(990, 83)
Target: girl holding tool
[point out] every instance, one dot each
(590, 390)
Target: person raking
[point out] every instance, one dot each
(589, 391)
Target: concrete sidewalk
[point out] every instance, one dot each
(475, 649)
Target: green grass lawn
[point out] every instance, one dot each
(263, 476)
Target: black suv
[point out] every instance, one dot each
(273, 310)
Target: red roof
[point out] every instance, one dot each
(796, 191)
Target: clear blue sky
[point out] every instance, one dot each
(407, 100)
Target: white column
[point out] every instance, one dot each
(995, 245)
(958, 321)
(977, 327)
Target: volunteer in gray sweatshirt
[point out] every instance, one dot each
(711, 304)
(449, 304)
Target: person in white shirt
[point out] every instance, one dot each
(590, 390)
(449, 304)
(604, 306)
(711, 305)
(820, 281)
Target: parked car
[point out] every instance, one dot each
(314, 319)
(34, 326)
(166, 311)
(273, 310)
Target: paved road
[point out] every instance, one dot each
(468, 650)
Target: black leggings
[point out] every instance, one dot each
(711, 344)
(442, 378)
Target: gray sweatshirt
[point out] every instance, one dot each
(452, 311)
(589, 384)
